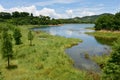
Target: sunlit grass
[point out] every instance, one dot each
(105, 34)
(105, 37)
(45, 60)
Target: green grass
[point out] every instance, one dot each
(100, 60)
(105, 34)
(45, 60)
(105, 37)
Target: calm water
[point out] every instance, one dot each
(89, 45)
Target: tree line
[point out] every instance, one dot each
(25, 18)
(108, 22)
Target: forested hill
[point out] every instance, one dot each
(92, 19)
(85, 19)
(24, 18)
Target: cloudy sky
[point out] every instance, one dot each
(61, 8)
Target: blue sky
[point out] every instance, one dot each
(61, 8)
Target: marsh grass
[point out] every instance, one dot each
(46, 60)
(100, 60)
(105, 37)
(105, 34)
(87, 56)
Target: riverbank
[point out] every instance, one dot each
(105, 34)
(44, 60)
(107, 37)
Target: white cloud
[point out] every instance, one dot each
(69, 13)
(87, 11)
(1, 8)
(52, 12)
(29, 9)
(51, 2)
(32, 9)
(49, 12)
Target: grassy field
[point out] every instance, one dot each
(45, 60)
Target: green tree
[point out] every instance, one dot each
(30, 37)
(24, 14)
(17, 36)
(104, 22)
(7, 46)
(15, 14)
(5, 15)
(117, 21)
(112, 67)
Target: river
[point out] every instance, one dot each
(89, 45)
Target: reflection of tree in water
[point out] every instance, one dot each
(106, 41)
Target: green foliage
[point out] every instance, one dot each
(6, 26)
(17, 36)
(6, 45)
(5, 15)
(30, 37)
(24, 18)
(117, 21)
(15, 14)
(104, 22)
(112, 68)
(108, 22)
(1, 77)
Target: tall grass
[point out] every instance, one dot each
(105, 37)
(45, 60)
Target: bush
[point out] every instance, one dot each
(112, 68)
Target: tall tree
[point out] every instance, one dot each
(15, 14)
(24, 14)
(117, 21)
(17, 36)
(7, 46)
(30, 37)
(5, 15)
(104, 22)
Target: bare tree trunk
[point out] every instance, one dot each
(8, 61)
(30, 42)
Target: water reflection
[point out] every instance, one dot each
(105, 41)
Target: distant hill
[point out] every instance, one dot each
(87, 19)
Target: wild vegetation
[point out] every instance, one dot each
(105, 37)
(24, 18)
(108, 22)
(44, 60)
(6, 47)
(112, 67)
(110, 64)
